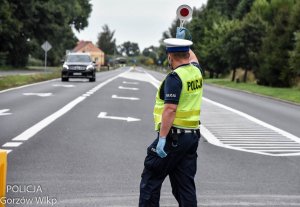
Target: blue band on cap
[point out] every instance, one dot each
(178, 49)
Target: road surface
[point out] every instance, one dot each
(83, 144)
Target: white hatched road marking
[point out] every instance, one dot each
(244, 132)
(232, 135)
(229, 128)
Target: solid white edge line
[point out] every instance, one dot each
(213, 140)
(33, 84)
(154, 81)
(27, 134)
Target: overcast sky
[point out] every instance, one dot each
(141, 21)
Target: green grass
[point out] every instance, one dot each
(288, 94)
(8, 68)
(11, 81)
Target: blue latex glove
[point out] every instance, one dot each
(160, 147)
(180, 33)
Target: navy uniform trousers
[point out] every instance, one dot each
(181, 166)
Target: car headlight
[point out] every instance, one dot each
(89, 67)
(65, 67)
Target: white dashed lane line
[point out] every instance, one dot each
(133, 83)
(221, 125)
(128, 88)
(27, 134)
(12, 144)
(125, 98)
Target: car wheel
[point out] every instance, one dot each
(93, 79)
(64, 79)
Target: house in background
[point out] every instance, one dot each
(95, 52)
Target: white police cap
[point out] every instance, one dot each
(177, 45)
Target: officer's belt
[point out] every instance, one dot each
(175, 130)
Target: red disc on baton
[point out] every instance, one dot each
(184, 12)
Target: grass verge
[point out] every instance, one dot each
(11, 81)
(287, 94)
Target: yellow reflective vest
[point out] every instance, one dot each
(189, 106)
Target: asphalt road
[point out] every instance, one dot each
(72, 144)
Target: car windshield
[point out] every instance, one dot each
(78, 58)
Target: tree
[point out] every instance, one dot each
(210, 48)
(106, 41)
(294, 59)
(31, 22)
(274, 69)
(243, 8)
(152, 52)
(225, 7)
(130, 49)
(243, 43)
(171, 32)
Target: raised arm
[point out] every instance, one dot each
(193, 57)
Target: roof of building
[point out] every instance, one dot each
(87, 45)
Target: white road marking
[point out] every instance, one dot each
(251, 118)
(12, 144)
(128, 88)
(103, 115)
(261, 134)
(133, 83)
(125, 98)
(48, 120)
(207, 200)
(64, 86)
(25, 86)
(273, 147)
(3, 112)
(38, 94)
(219, 132)
(27, 134)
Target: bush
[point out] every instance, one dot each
(3, 58)
(35, 62)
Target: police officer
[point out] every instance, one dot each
(177, 118)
